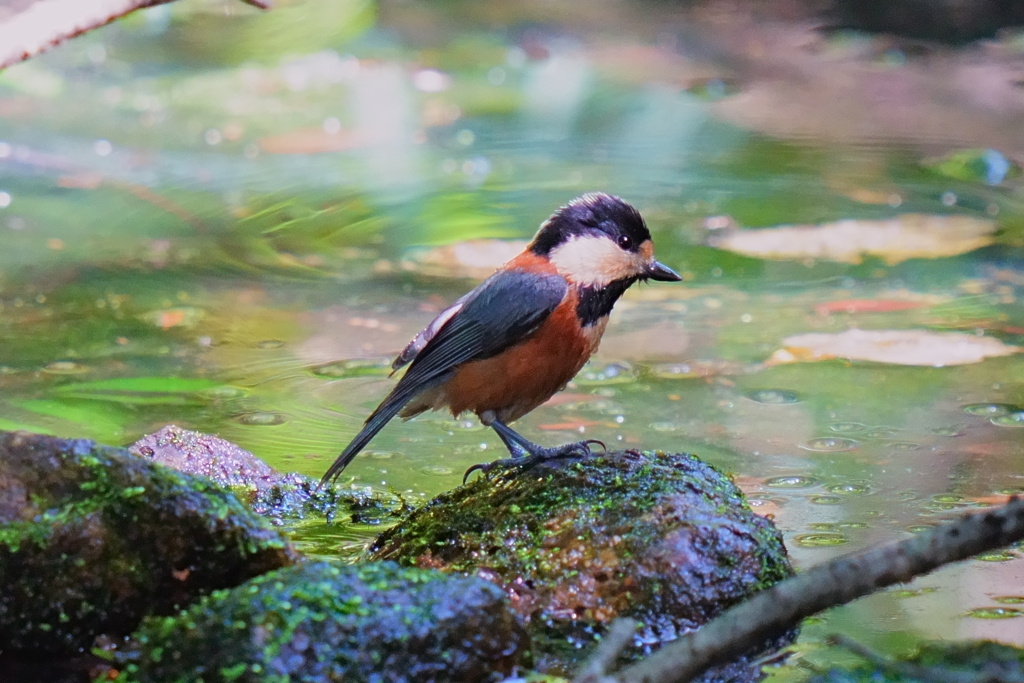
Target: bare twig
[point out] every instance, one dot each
(47, 23)
(618, 637)
(772, 611)
(990, 672)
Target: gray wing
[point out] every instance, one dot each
(498, 314)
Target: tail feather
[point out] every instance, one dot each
(380, 417)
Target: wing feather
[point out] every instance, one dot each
(498, 314)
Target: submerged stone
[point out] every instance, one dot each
(328, 622)
(663, 538)
(93, 538)
(278, 496)
(206, 455)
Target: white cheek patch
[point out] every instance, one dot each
(595, 261)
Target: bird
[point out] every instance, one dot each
(512, 342)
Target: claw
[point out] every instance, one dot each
(526, 462)
(481, 466)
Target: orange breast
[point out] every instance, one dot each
(518, 380)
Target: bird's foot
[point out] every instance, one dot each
(536, 456)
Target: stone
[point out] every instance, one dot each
(663, 538)
(93, 538)
(329, 622)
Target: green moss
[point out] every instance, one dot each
(664, 538)
(103, 538)
(323, 621)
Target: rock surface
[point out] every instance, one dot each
(663, 538)
(328, 622)
(206, 455)
(93, 538)
(280, 497)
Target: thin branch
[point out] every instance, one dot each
(842, 580)
(617, 639)
(907, 669)
(995, 671)
(47, 23)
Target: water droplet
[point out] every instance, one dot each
(461, 425)
(269, 344)
(380, 455)
(849, 489)
(262, 419)
(65, 367)
(775, 397)
(946, 431)
(847, 427)
(1014, 419)
(438, 470)
(673, 371)
(988, 409)
(1009, 599)
(826, 500)
(223, 392)
(996, 556)
(355, 367)
(947, 498)
(903, 445)
(612, 373)
(821, 539)
(994, 613)
(881, 432)
(912, 592)
(792, 482)
(920, 528)
(830, 444)
(1013, 491)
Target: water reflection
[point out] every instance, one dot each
(271, 208)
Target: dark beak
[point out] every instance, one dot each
(657, 271)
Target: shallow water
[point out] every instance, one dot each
(232, 225)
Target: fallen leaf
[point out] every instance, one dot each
(476, 259)
(184, 316)
(899, 347)
(907, 236)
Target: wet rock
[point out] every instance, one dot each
(328, 622)
(663, 538)
(206, 455)
(938, 661)
(278, 496)
(93, 538)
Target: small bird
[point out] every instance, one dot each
(512, 342)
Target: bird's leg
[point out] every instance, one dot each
(525, 454)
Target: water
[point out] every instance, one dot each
(230, 222)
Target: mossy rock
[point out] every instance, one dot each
(93, 538)
(328, 622)
(286, 500)
(663, 538)
(977, 660)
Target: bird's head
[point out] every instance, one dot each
(598, 239)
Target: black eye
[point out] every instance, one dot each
(625, 242)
